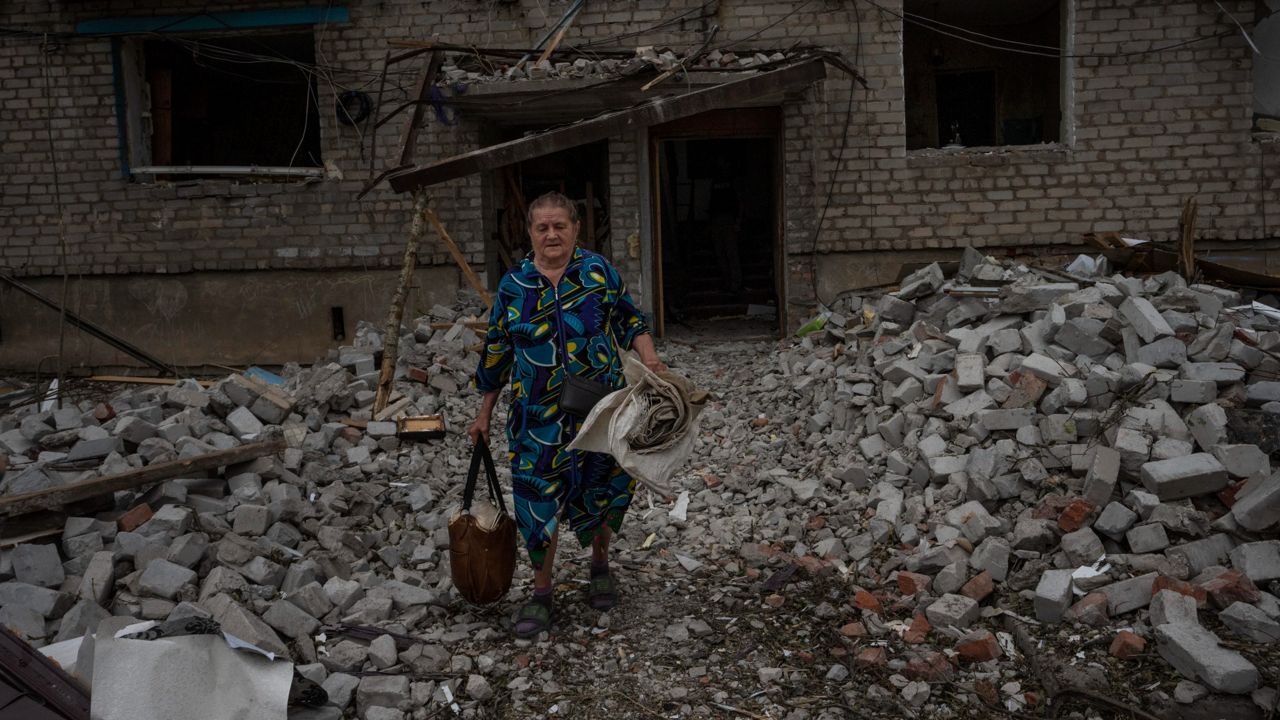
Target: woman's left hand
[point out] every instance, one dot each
(655, 364)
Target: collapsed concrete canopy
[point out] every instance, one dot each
(735, 93)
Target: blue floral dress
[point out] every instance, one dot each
(595, 314)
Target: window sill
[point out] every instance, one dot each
(987, 156)
(288, 173)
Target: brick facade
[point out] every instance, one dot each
(1143, 132)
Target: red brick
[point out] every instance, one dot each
(759, 422)
(416, 374)
(1075, 515)
(854, 630)
(930, 667)
(1027, 389)
(4, 463)
(979, 586)
(1228, 494)
(775, 601)
(1127, 645)
(1230, 587)
(864, 600)
(1090, 610)
(1050, 507)
(134, 519)
(103, 412)
(910, 583)
(978, 646)
(871, 657)
(1164, 582)
(918, 631)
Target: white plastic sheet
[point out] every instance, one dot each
(649, 427)
(189, 677)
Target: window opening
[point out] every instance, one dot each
(231, 102)
(961, 93)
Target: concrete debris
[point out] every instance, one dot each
(1060, 448)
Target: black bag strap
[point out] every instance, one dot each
(480, 453)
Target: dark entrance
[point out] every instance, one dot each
(717, 223)
(581, 173)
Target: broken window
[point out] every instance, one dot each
(216, 106)
(968, 85)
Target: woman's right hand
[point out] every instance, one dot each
(479, 429)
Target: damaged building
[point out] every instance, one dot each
(231, 181)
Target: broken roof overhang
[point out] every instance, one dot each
(734, 93)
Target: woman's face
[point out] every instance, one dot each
(553, 235)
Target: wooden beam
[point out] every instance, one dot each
(426, 81)
(131, 380)
(57, 497)
(472, 279)
(391, 338)
(653, 112)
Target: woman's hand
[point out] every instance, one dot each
(479, 429)
(648, 353)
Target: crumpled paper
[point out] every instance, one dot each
(649, 427)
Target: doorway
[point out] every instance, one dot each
(717, 224)
(581, 173)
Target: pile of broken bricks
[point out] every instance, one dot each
(1066, 439)
(344, 527)
(1003, 452)
(646, 58)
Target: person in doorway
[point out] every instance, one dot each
(561, 309)
(725, 225)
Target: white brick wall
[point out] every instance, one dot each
(1148, 130)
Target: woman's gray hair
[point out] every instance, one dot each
(553, 199)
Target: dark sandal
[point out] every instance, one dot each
(603, 592)
(534, 617)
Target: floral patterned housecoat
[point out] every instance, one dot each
(595, 314)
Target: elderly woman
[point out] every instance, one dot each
(561, 308)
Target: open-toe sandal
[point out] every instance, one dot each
(533, 618)
(603, 592)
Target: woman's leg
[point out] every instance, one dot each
(542, 576)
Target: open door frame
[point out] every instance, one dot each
(730, 124)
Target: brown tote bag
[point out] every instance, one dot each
(482, 543)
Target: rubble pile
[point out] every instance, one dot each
(346, 526)
(915, 509)
(1050, 448)
(465, 69)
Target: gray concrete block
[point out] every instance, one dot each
(1045, 368)
(1100, 481)
(1203, 553)
(1144, 319)
(1250, 623)
(1083, 336)
(1082, 547)
(1147, 538)
(164, 579)
(290, 620)
(1259, 508)
(340, 688)
(1012, 419)
(95, 449)
(250, 520)
(1053, 595)
(1260, 561)
(1196, 392)
(243, 422)
(1260, 393)
(134, 430)
(1196, 653)
(1208, 424)
(1169, 352)
(1220, 373)
(992, 555)
(1243, 461)
(1115, 520)
(98, 582)
(38, 565)
(952, 610)
(1170, 606)
(311, 599)
(49, 603)
(1196, 474)
(382, 691)
(1129, 595)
